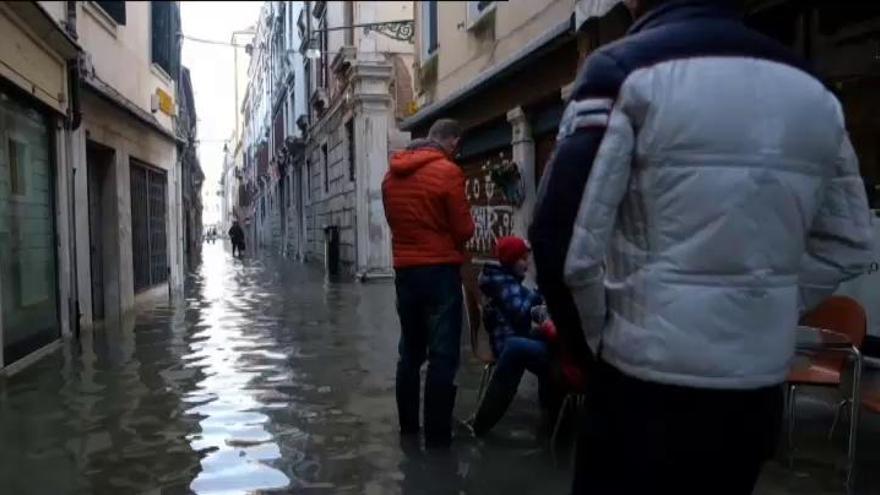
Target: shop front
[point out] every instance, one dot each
(35, 270)
(28, 263)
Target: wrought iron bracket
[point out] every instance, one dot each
(402, 30)
(397, 30)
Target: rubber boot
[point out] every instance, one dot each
(439, 403)
(496, 400)
(407, 392)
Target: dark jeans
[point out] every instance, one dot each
(237, 247)
(429, 303)
(645, 437)
(519, 354)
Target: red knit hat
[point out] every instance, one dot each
(511, 249)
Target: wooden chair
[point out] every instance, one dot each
(871, 402)
(474, 319)
(839, 314)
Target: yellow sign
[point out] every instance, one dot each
(166, 102)
(412, 108)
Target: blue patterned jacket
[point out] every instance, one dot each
(508, 312)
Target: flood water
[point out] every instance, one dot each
(268, 379)
(265, 379)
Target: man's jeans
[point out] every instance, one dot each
(647, 437)
(519, 354)
(429, 303)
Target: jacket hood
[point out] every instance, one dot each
(418, 154)
(495, 277)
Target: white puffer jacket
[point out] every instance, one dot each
(724, 199)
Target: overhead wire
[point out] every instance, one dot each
(210, 42)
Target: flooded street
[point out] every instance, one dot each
(265, 379)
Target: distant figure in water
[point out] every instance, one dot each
(236, 236)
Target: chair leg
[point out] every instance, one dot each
(566, 403)
(838, 413)
(580, 410)
(484, 382)
(789, 404)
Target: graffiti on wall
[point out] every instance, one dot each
(492, 211)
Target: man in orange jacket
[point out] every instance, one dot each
(430, 221)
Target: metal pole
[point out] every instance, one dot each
(235, 79)
(854, 419)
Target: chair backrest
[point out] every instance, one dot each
(474, 312)
(840, 314)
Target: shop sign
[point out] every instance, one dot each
(165, 102)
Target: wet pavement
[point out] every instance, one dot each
(269, 379)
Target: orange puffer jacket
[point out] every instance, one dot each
(426, 207)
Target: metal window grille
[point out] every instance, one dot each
(149, 241)
(349, 137)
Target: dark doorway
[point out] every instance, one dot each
(98, 160)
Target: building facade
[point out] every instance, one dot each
(233, 156)
(328, 82)
(191, 171)
(127, 157)
(91, 167)
(357, 91)
(38, 108)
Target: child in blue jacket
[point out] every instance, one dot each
(517, 344)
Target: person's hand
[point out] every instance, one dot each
(548, 331)
(540, 314)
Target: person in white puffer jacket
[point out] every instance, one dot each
(702, 195)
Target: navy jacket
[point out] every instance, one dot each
(508, 311)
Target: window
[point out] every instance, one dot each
(477, 11)
(324, 155)
(149, 239)
(291, 113)
(428, 39)
(323, 72)
(17, 159)
(349, 138)
(308, 180)
(164, 25)
(116, 10)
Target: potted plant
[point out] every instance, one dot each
(505, 174)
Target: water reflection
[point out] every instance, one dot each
(227, 350)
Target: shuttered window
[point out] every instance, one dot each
(116, 10)
(165, 43)
(149, 241)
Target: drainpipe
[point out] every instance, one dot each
(74, 120)
(70, 25)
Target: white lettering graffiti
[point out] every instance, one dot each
(491, 223)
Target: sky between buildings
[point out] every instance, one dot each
(211, 68)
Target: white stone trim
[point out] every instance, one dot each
(31, 358)
(101, 17)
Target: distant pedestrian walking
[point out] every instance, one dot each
(703, 194)
(236, 237)
(430, 223)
